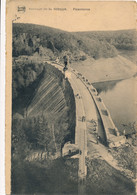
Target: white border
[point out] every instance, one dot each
(2, 89)
(2, 99)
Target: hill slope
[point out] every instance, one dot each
(29, 39)
(121, 39)
(43, 113)
(100, 70)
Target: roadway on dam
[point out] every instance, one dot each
(85, 136)
(85, 107)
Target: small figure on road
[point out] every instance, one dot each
(78, 96)
(83, 118)
(98, 138)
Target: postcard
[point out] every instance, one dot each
(71, 78)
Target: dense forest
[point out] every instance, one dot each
(41, 130)
(29, 39)
(122, 39)
(27, 79)
(60, 175)
(43, 115)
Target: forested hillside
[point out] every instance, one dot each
(29, 39)
(43, 119)
(43, 109)
(46, 41)
(122, 39)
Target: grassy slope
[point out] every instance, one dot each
(106, 69)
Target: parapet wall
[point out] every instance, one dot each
(111, 131)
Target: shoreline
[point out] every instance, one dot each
(105, 70)
(114, 80)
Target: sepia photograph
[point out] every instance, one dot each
(71, 74)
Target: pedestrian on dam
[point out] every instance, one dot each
(83, 118)
(98, 138)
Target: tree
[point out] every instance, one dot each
(44, 135)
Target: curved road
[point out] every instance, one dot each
(80, 131)
(85, 106)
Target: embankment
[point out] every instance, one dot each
(103, 69)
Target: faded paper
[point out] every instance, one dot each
(93, 56)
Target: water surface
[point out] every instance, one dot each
(119, 98)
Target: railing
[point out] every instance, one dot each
(111, 130)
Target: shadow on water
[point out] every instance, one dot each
(105, 86)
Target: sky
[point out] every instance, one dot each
(100, 15)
